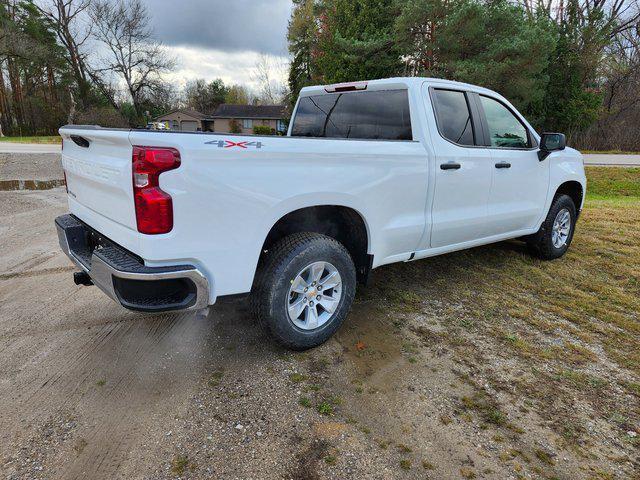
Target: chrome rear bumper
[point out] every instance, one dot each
(124, 277)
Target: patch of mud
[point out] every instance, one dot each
(367, 338)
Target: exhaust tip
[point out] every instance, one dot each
(82, 278)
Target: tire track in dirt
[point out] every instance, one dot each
(130, 393)
(36, 273)
(118, 381)
(86, 387)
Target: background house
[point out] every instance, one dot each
(186, 120)
(244, 117)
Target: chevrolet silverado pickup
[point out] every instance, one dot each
(369, 173)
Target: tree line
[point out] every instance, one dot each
(94, 62)
(569, 65)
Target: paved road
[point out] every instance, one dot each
(30, 166)
(590, 159)
(8, 147)
(612, 160)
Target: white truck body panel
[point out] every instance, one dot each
(227, 195)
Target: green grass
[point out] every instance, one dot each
(42, 139)
(325, 408)
(612, 183)
(608, 152)
(298, 377)
(330, 459)
(215, 379)
(180, 464)
(559, 321)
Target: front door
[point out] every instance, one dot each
(520, 181)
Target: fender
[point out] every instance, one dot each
(318, 199)
(566, 166)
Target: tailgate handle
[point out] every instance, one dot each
(80, 141)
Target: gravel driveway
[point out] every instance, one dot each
(410, 387)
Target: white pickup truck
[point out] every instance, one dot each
(370, 173)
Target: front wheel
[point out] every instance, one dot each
(304, 290)
(554, 237)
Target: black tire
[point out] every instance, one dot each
(282, 264)
(541, 243)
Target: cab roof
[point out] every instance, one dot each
(395, 83)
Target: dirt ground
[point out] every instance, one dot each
(481, 364)
(29, 166)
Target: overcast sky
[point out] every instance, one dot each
(217, 38)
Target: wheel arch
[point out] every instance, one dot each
(574, 190)
(343, 223)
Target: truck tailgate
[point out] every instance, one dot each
(97, 166)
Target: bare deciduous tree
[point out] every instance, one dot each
(134, 56)
(611, 16)
(65, 16)
(268, 74)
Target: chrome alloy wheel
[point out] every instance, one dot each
(561, 228)
(314, 295)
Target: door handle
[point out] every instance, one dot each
(449, 166)
(503, 165)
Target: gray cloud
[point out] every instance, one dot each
(231, 26)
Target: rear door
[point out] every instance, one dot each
(520, 181)
(463, 170)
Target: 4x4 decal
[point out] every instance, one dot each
(230, 144)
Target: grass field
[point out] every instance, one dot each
(44, 139)
(613, 184)
(609, 152)
(540, 359)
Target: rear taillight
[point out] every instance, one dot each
(154, 207)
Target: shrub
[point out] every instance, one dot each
(263, 130)
(235, 127)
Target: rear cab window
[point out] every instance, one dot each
(368, 115)
(453, 116)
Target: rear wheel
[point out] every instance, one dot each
(305, 289)
(554, 237)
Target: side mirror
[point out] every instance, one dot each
(551, 142)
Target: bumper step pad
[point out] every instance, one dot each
(125, 278)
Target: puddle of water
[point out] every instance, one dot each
(7, 185)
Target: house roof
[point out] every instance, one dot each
(186, 111)
(227, 110)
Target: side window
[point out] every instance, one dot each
(453, 116)
(505, 129)
(247, 123)
(374, 115)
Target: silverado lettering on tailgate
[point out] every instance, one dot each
(98, 172)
